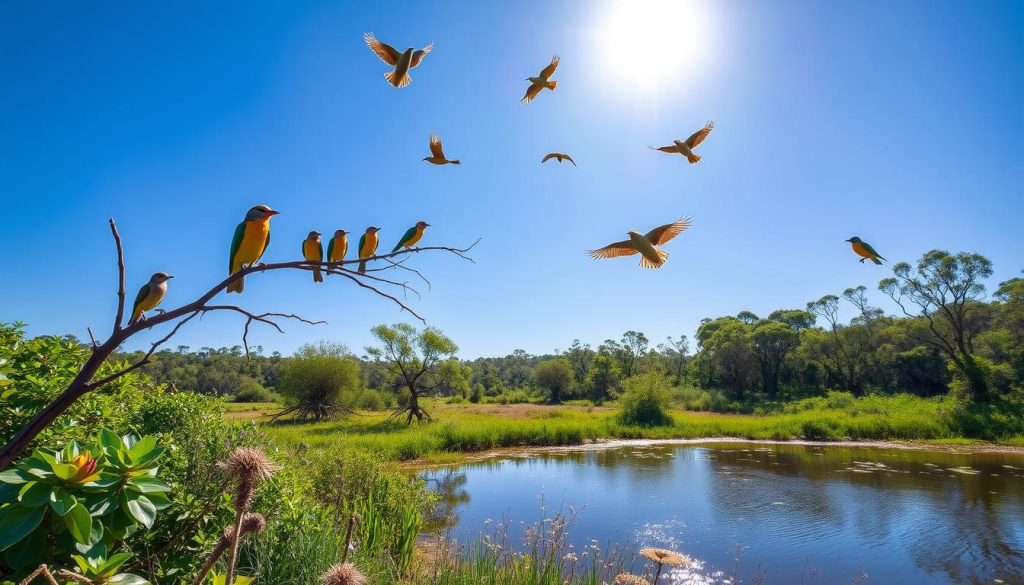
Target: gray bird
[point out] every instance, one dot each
(149, 296)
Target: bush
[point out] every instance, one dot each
(693, 398)
(252, 391)
(555, 376)
(645, 401)
(376, 400)
(321, 381)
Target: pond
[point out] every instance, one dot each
(794, 513)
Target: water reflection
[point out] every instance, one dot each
(901, 516)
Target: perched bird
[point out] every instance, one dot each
(559, 156)
(313, 251)
(402, 62)
(412, 235)
(686, 148)
(864, 250)
(644, 244)
(367, 246)
(251, 239)
(437, 155)
(541, 81)
(338, 246)
(149, 296)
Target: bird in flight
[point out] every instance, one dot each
(644, 244)
(864, 250)
(402, 62)
(559, 156)
(541, 81)
(437, 154)
(367, 246)
(149, 296)
(251, 239)
(686, 147)
(412, 235)
(313, 251)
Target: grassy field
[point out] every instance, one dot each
(462, 428)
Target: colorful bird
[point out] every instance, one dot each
(412, 235)
(313, 251)
(402, 62)
(367, 246)
(686, 148)
(149, 296)
(437, 154)
(338, 246)
(559, 156)
(251, 239)
(541, 81)
(864, 250)
(644, 244)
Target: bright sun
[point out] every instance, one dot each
(651, 44)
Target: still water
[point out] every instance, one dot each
(797, 513)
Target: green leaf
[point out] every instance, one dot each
(104, 482)
(34, 494)
(147, 484)
(17, 523)
(109, 439)
(129, 440)
(64, 471)
(127, 579)
(61, 501)
(101, 504)
(79, 523)
(15, 476)
(160, 500)
(9, 492)
(27, 552)
(115, 562)
(142, 447)
(149, 458)
(142, 509)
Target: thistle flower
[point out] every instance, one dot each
(664, 557)
(343, 574)
(248, 467)
(627, 579)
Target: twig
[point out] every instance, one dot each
(385, 295)
(41, 570)
(120, 276)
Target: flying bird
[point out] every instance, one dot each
(251, 239)
(864, 250)
(402, 62)
(686, 148)
(313, 251)
(412, 235)
(149, 296)
(560, 156)
(437, 154)
(338, 246)
(367, 246)
(644, 244)
(541, 81)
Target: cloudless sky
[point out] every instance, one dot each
(900, 122)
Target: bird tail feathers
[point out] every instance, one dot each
(455, 162)
(648, 263)
(362, 268)
(692, 158)
(402, 81)
(552, 85)
(876, 260)
(317, 275)
(237, 286)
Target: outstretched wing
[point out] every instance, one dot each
(623, 248)
(673, 149)
(548, 157)
(699, 136)
(386, 52)
(435, 146)
(546, 72)
(531, 92)
(236, 241)
(417, 56)
(569, 158)
(660, 235)
(409, 233)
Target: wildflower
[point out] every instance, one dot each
(664, 557)
(343, 574)
(627, 579)
(85, 468)
(248, 467)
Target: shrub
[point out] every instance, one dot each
(555, 376)
(376, 400)
(645, 401)
(252, 391)
(320, 381)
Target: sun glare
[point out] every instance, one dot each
(650, 44)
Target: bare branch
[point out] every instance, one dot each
(92, 338)
(40, 570)
(120, 276)
(262, 318)
(394, 299)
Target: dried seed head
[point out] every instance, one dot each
(248, 467)
(664, 557)
(627, 579)
(343, 574)
(253, 523)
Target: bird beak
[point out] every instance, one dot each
(850, 240)
(169, 277)
(272, 213)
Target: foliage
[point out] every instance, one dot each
(414, 359)
(645, 401)
(603, 380)
(321, 381)
(83, 501)
(555, 376)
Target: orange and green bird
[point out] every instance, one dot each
(644, 244)
(313, 251)
(368, 246)
(252, 237)
(149, 296)
(864, 250)
(412, 235)
(338, 246)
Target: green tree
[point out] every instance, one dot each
(581, 357)
(603, 378)
(414, 359)
(945, 289)
(771, 342)
(675, 354)
(555, 376)
(645, 401)
(321, 381)
(725, 345)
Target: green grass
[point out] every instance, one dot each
(462, 428)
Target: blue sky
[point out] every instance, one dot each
(900, 122)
